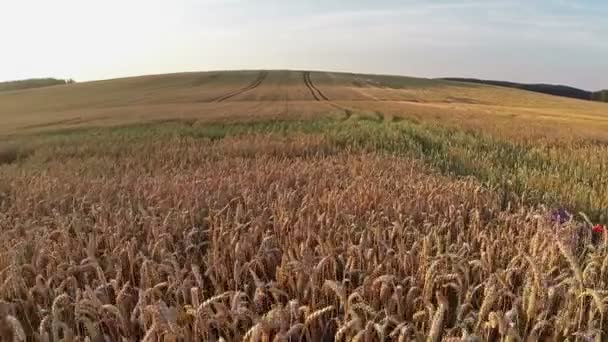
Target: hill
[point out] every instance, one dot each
(279, 94)
(32, 83)
(551, 89)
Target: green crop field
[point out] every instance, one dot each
(301, 206)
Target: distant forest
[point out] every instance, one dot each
(33, 83)
(601, 96)
(551, 89)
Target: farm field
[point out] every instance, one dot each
(301, 206)
(285, 95)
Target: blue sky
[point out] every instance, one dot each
(530, 41)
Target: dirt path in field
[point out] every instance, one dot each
(316, 93)
(258, 81)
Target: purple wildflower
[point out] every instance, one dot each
(560, 216)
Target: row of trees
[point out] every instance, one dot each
(600, 96)
(33, 83)
(551, 89)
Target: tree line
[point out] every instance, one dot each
(33, 83)
(600, 96)
(551, 89)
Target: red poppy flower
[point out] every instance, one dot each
(598, 229)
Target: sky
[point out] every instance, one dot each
(556, 41)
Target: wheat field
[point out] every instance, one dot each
(343, 219)
(286, 94)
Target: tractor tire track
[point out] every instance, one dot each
(306, 76)
(256, 83)
(319, 96)
(317, 89)
(316, 93)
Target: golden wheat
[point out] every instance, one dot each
(289, 240)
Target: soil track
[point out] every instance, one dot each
(258, 81)
(316, 93)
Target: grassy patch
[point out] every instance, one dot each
(11, 153)
(8, 154)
